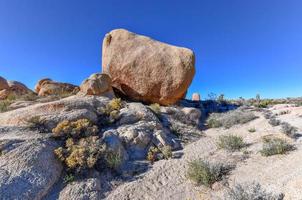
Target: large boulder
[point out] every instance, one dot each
(97, 84)
(3, 83)
(46, 87)
(147, 70)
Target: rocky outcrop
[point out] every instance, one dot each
(46, 87)
(13, 89)
(71, 108)
(147, 70)
(97, 84)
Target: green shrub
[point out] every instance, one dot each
(155, 107)
(230, 118)
(230, 142)
(251, 192)
(204, 173)
(68, 178)
(273, 146)
(113, 159)
(75, 129)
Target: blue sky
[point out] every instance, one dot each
(242, 47)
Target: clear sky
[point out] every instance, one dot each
(242, 47)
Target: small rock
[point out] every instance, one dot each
(196, 97)
(97, 84)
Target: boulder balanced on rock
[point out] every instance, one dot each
(147, 70)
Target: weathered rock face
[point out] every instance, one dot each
(147, 70)
(196, 97)
(97, 84)
(28, 169)
(46, 87)
(3, 84)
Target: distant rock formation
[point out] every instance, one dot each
(145, 69)
(97, 84)
(46, 87)
(196, 97)
(12, 88)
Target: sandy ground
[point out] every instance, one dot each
(166, 180)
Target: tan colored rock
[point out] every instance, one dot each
(3, 83)
(46, 87)
(147, 70)
(18, 88)
(40, 82)
(97, 84)
(196, 97)
(14, 89)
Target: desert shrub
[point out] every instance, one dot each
(156, 153)
(252, 130)
(251, 191)
(29, 97)
(284, 112)
(230, 118)
(152, 154)
(205, 173)
(37, 124)
(230, 142)
(289, 130)
(75, 129)
(68, 178)
(11, 97)
(82, 154)
(166, 151)
(155, 107)
(274, 122)
(113, 159)
(265, 103)
(267, 115)
(110, 112)
(4, 105)
(114, 104)
(273, 146)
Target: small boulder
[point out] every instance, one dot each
(97, 84)
(196, 97)
(147, 70)
(3, 84)
(46, 87)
